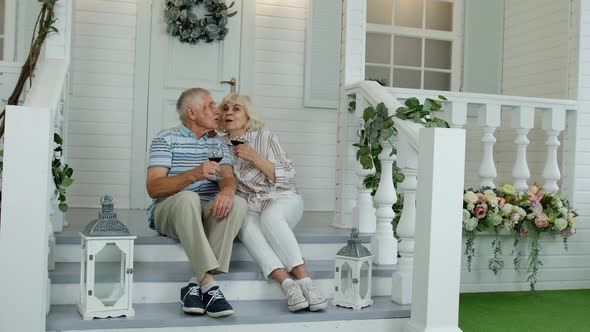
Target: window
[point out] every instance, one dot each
(414, 43)
(7, 29)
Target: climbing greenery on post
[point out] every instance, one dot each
(379, 128)
(189, 28)
(62, 173)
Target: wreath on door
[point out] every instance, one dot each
(189, 28)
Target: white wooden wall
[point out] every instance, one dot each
(543, 73)
(309, 135)
(536, 48)
(99, 135)
(98, 142)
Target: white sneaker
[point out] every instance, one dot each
(295, 299)
(314, 298)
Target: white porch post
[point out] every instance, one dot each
(553, 124)
(383, 243)
(25, 214)
(489, 119)
(523, 119)
(402, 278)
(352, 71)
(437, 262)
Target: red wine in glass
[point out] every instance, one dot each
(215, 159)
(235, 142)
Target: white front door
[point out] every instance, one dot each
(173, 67)
(176, 66)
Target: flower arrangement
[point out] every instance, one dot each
(521, 213)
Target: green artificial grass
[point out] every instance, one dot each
(555, 311)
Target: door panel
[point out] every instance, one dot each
(176, 66)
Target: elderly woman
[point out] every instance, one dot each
(266, 180)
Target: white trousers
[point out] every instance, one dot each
(269, 237)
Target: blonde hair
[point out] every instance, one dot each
(188, 96)
(254, 119)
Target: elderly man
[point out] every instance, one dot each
(194, 199)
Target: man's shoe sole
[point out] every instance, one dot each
(318, 306)
(220, 314)
(193, 311)
(298, 306)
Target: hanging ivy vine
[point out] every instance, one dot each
(379, 127)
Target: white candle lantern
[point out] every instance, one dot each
(354, 264)
(106, 273)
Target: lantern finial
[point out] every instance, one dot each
(107, 223)
(354, 248)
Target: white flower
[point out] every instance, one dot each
(470, 197)
(470, 224)
(520, 211)
(497, 219)
(563, 212)
(572, 222)
(530, 216)
(507, 208)
(466, 215)
(560, 224)
(470, 206)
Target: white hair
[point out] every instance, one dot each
(190, 96)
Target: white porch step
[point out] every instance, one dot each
(317, 239)
(259, 316)
(161, 282)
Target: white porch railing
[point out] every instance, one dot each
(29, 204)
(28, 200)
(481, 115)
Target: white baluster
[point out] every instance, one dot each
(383, 244)
(523, 119)
(489, 119)
(363, 214)
(402, 277)
(457, 111)
(553, 123)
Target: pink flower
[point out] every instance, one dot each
(501, 202)
(524, 232)
(534, 190)
(481, 198)
(515, 216)
(480, 211)
(534, 201)
(542, 221)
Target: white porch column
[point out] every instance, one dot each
(553, 124)
(457, 114)
(402, 278)
(352, 70)
(523, 119)
(437, 259)
(363, 212)
(383, 244)
(489, 119)
(25, 215)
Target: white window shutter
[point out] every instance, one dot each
(322, 54)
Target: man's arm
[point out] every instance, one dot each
(159, 185)
(227, 189)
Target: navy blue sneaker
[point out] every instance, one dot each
(192, 300)
(215, 304)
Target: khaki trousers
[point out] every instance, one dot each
(207, 240)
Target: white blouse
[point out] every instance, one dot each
(253, 185)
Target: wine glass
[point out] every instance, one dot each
(215, 153)
(237, 141)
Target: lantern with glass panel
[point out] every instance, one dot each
(106, 278)
(354, 264)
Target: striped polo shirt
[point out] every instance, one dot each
(179, 150)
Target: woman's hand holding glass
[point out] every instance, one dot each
(246, 152)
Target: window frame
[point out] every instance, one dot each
(455, 37)
(8, 38)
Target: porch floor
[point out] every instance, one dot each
(159, 315)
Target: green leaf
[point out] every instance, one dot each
(368, 113)
(67, 182)
(63, 207)
(428, 103)
(442, 97)
(57, 139)
(412, 102)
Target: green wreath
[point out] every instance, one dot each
(189, 28)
